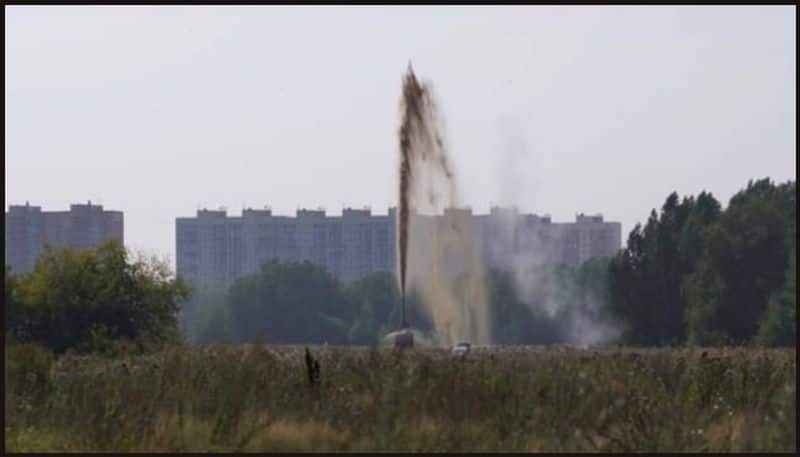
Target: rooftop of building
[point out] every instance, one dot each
(75, 207)
(366, 212)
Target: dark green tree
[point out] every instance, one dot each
(647, 279)
(376, 300)
(295, 303)
(743, 263)
(778, 327)
(630, 292)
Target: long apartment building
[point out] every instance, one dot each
(213, 247)
(28, 228)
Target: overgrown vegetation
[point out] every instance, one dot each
(256, 398)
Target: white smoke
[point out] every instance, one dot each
(530, 254)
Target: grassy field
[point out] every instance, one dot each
(248, 398)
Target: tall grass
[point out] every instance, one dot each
(255, 398)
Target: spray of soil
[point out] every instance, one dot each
(436, 254)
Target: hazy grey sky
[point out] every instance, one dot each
(157, 111)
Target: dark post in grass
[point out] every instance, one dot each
(312, 367)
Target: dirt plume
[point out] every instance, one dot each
(436, 252)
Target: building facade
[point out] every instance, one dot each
(213, 248)
(28, 229)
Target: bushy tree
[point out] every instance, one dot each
(87, 299)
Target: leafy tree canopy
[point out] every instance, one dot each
(84, 300)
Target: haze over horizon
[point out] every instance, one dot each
(160, 111)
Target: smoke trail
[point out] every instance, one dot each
(446, 267)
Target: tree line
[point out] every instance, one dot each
(700, 275)
(105, 300)
(694, 274)
(300, 302)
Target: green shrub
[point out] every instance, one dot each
(86, 300)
